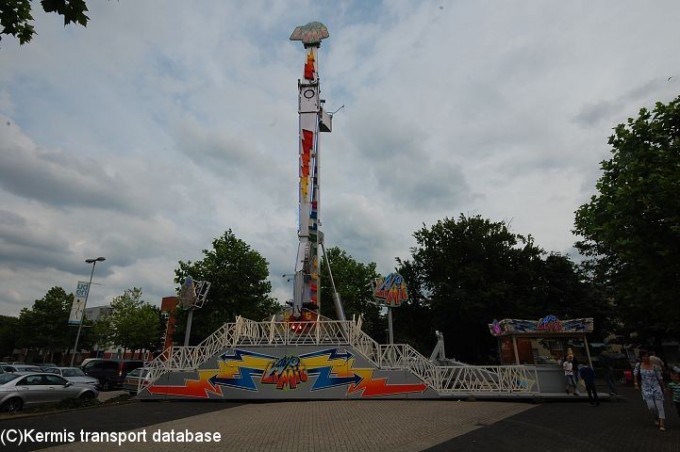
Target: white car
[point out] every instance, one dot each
(74, 374)
(27, 389)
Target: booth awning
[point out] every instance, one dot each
(546, 326)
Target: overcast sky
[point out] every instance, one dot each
(148, 134)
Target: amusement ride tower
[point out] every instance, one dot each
(313, 120)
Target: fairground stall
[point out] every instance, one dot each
(543, 343)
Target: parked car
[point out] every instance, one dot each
(134, 378)
(18, 390)
(87, 360)
(74, 374)
(111, 372)
(21, 368)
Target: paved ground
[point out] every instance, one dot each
(400, 425)
(623, 425)
(106, 395)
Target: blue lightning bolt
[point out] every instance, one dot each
(325, 380)
(244, 381)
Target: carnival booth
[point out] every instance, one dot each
(543, 344)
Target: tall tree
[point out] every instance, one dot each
(239, 286)
(630, 229)
(352, 281)
(465, 273)
(413, 321)
(16, 16)
(45, 326)
(9, 335)
(135, 322)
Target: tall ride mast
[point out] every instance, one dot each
(313, 119)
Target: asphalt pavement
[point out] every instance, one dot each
(618, 425)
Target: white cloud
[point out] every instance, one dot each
(152, 131)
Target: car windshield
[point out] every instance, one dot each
(72, 373)
(4, 378)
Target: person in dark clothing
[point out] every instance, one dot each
(588, 375)
(608, 367)
(576, 364)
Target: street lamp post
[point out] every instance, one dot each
(80, 325)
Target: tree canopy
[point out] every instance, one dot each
(16, 16)
(45, 326)
(9, 335)
(630, 229)
(352, 281)
(464, 274)
(239, 286)
(135, 323)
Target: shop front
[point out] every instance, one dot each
(543, 344)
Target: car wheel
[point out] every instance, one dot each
(106, 386)
(12, 405)
(89, 395)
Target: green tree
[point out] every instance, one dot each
(135, 323)
(465, 273)
(352, 281)
(16, 16)
(239, 286)
(45, 327)
(9, 335)
(413, 322)
(99, 335)
(630, 230)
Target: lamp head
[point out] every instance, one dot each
(99, 259)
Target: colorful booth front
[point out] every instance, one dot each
(543, 343)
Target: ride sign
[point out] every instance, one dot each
(390, 289)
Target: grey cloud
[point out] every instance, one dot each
(405, 164)
(614, 111)
(56, 178)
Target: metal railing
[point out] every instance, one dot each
(446, 380)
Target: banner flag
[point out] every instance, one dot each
(78, 307)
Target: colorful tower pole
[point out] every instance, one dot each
(313, 119)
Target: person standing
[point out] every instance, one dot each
(674, 387)
(608, 368)
(575, 363)
(656, 361)
(649, 380)
(587, 374)
(568, 367)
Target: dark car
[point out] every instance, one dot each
(111, 372)
(26, 389)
